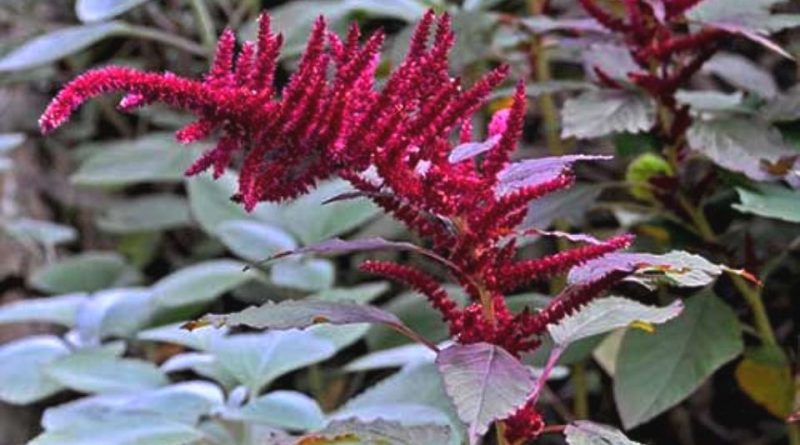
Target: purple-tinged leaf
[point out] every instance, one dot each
(574, 237)
(659, 9)
(747, 146)
(544, 24)
(485, 382)
(356, 194)
(755, 35)
(469, 150)
(678, 268)
(536, 171)
(301, 314)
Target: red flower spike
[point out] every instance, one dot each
(525, 424)
(524, 272)
(419, 281)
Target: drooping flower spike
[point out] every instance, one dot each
(395, 145)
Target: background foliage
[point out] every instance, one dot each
(107, 248)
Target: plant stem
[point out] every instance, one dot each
(793, 431)
(579, 386)
(166, 38)
(751, 295)
(540, 67)
(500, 433)
(207, 32)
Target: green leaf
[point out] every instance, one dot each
(22, 376)
(312, 221)
(60, 310)
(211, 205)
(785, 107)
(87, 272)
(312, 274)
(590, 433)
(199, 338)
(656, 371)
(46, 233)
(96, 371)
(200, 283)
(152, 158)
(400, 396)
(288, 410)
(606, 314)
(256, 360)
(770, 201)
(742, 145)
(397, 357)
(599, 113)
(145, 214)
(99, 10)
(115, 313)
(184, 402)
(407, 10)
(58, 44)
(122, 429)
(254, 241)
(485, 382)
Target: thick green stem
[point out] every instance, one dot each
(540, 67)
(751, 294)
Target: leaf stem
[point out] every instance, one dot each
(751, 295)
(207, 32)
(166, 38)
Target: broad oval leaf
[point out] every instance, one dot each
(606, 314)
(211, 205)
(470, 150)
(22, 376)
(746, 146)
(770, 201)
(397, 357)
(254, 241)
(145, 214)
(589, 433)
(289, 410)
(122, 429)
(655, 371)
(485, 382)
(200, 283)
(96, 371)
(255, 360)
(743, 73)
(46, 233)
(87, 272)
(308, 275)
(400, 396)
(98, 10)
(114, 313)
(313, 222)
(60, 310)
(55, 45)
(599, 113)
(153, 158)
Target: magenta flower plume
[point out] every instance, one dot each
(395, 145)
